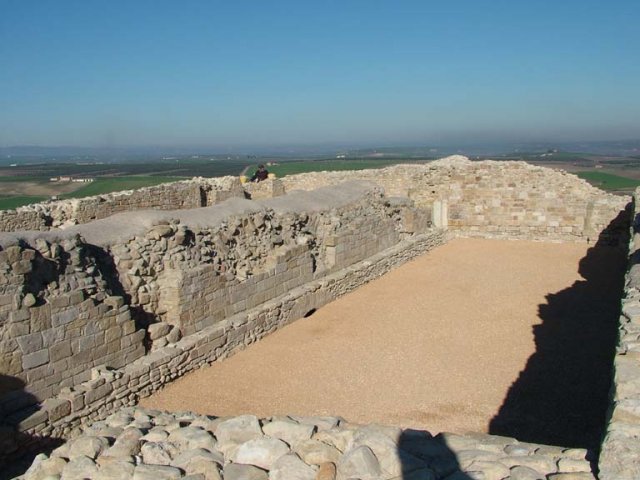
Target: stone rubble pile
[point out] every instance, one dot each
(149, 444)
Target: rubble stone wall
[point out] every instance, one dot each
(194, 193)
(186, 445)
(187, 287)
(620, 454)
(494, 198)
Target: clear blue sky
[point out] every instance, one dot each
(195, 72)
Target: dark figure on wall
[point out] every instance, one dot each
(260, 175)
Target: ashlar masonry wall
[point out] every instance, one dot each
(495, 198)
(191, 286)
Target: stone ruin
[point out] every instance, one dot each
(106, 299)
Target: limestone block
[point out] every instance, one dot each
(235, 471)
(360, 463)
(88, 446)
(56, 408)
(156, 472)
(30, 343)
(313, 452)
(35, 359)
(290, 467)
(160, 453)
(260, 452)
(192, 438)
(157, 330)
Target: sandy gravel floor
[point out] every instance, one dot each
(435, 344)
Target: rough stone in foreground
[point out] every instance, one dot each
(186, 445)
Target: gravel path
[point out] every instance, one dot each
(435, 344)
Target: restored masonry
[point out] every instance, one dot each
(103, 301)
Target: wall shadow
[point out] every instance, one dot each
(18, 450)
(561, 397)
(417, 448)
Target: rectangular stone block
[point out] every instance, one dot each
(60, 301)
(53, 336)
(30, 343)
(98, 393)
(56, 408)
(60, 350)
(64, 317)
(35, 359)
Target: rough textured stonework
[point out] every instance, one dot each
(199, 283)
(58, 318)
(108, 309)
(491, 198)
(620, 455)
(266, 189)
(295, 448)
(197, 192)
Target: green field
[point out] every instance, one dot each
(9, 203)
(291, 168)
(104, 185)
(609, 181)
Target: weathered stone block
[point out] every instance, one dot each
(56, 408)
(60, 350)
(35, 359)
(30, 343)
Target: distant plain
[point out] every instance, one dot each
(29, 180)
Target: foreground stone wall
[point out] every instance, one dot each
(620, 455)
(494, 198)
(194, 193)
(139, 443)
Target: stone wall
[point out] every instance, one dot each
(265, 189)
(494, 198)
(620, 455)
(191, 286)
(488, 199)
(58, 318)
(136, 299)
(194, 193)
(295, 448)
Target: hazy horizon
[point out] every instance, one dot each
(271, 75)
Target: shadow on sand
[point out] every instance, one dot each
(18, 450)
(561, 397)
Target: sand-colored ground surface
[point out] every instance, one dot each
(441, 343)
